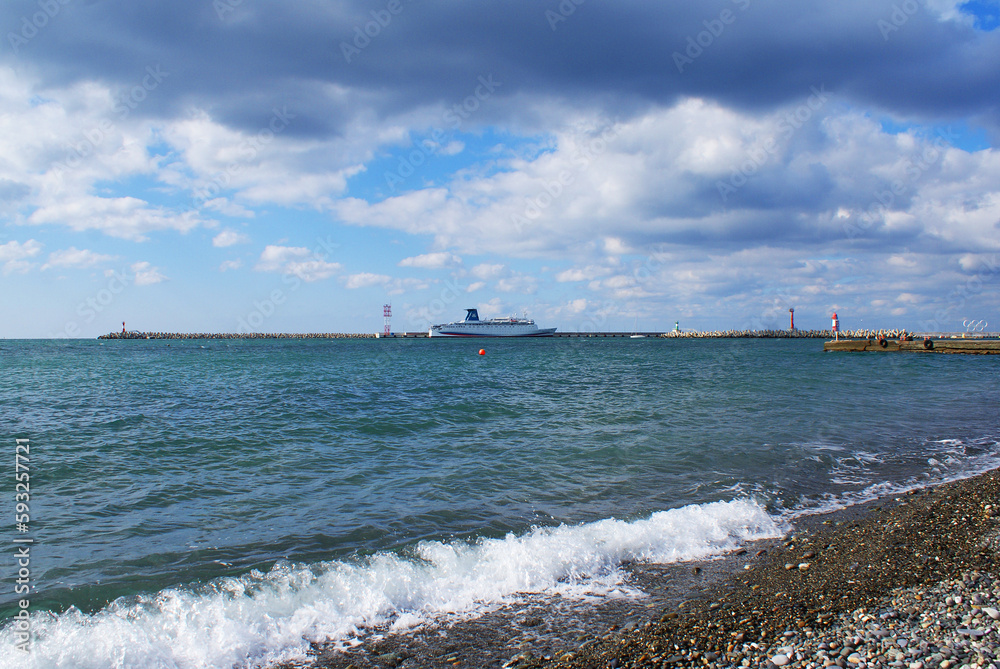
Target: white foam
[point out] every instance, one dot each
(260, 619)
(953, 463)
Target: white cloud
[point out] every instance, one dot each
(401, 286)
(366, 280)
(615, 246)
(14, 255)
(124, 217)
(227, 207)
(146, 274)
(495, 308)
(229, 238)
(488, 270)
(74, 257)
(525, 284)
(439, 260)
(453, 148)
(274, 258)
(668, 176)
(588, 273)
(63, 146)
(948, 10)
(230, 264)
(902, 261)
(296, 260)
(280, 169)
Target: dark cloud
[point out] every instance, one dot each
(750, 54)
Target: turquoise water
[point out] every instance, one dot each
(332, 484)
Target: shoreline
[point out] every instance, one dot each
(833, 577)
(830, 573)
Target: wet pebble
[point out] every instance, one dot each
(926, 627)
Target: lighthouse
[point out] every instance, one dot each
(791, 318)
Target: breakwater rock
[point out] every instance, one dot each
(235, 335)
(895, 333)
(752, 334)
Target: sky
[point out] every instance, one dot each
(254, 165)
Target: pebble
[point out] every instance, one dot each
(926, 627)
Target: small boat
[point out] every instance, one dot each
(471, 326)
(635, 331)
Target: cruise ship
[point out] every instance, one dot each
(494, 327)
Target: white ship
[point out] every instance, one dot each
(494, 327)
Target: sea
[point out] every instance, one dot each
(228, 503)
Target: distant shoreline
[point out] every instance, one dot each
(714, 334)
(672, 334)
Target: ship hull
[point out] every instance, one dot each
(489, 331)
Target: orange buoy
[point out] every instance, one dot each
(482, 351)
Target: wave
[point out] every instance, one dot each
(265, 618)
(943, 461)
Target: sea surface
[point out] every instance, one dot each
(223, 503)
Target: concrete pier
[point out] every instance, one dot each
(917, 345)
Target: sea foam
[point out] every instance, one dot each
(263, 618)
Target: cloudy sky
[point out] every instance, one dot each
(218, 165)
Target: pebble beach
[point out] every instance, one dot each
(910, 581)
(913, 581)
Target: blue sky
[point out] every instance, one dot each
(217, 165)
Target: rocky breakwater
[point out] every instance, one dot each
(751, 334)
(234, 335)
(911, 582)
(895, 333)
